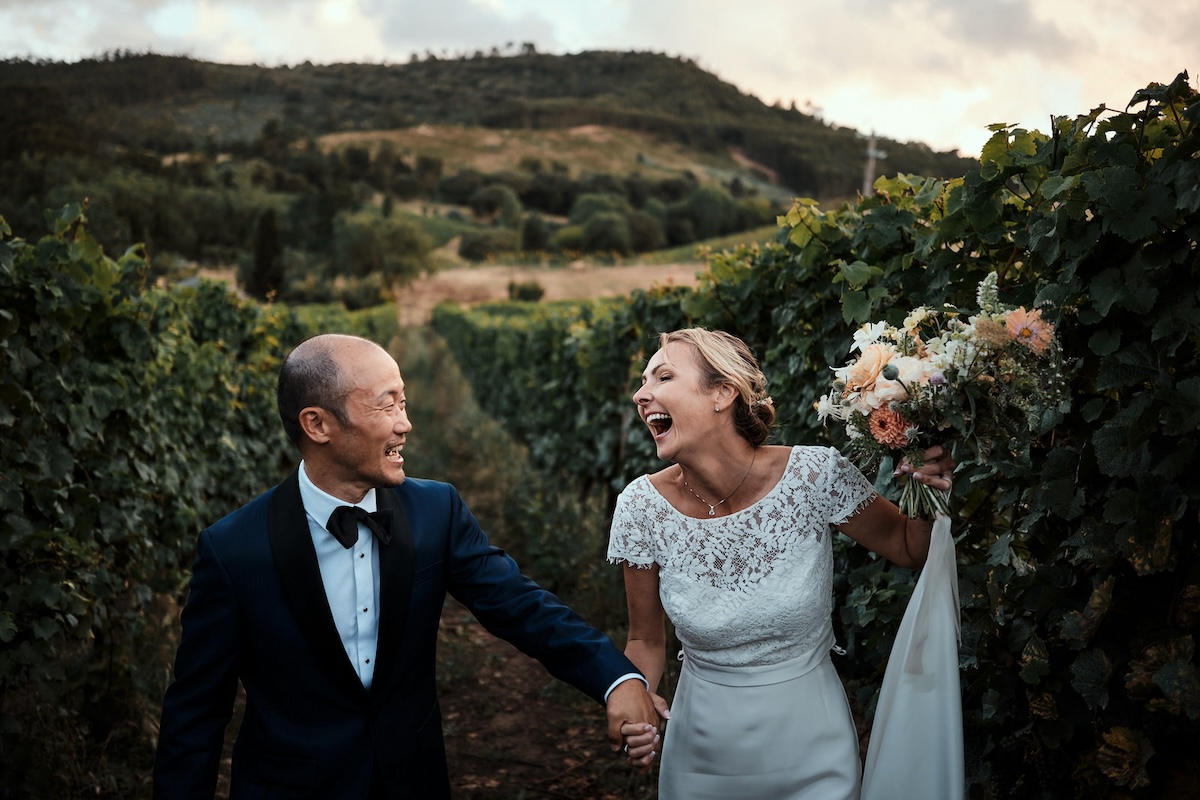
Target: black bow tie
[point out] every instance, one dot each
(343, 524)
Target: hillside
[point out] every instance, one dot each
(169, 104)
(584, 150)
(344, 182)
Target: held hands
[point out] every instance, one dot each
(643, 741)
(634, 711)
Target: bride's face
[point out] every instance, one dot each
(673, 403)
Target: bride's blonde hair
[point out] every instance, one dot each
(726, 359)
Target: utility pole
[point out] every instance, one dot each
(869, 171)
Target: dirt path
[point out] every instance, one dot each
(513, 731)
(473, 285)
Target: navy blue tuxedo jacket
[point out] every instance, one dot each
(257, 612)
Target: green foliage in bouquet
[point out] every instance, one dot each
(1078, 532)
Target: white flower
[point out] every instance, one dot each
(826, 408)
(913, 371)
(869, 333)
(987, 296)
(915, 318)
(953, 350)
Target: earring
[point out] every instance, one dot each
(717, 408)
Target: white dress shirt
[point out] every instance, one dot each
(350, 576)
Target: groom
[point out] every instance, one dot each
(329, 615)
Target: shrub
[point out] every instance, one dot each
(305, 280)
(458, 188)
(527, 291)
(535, 234)
(670, 190)
(754, 212)
(550, 192)
(638, 189)
(483, 244)
(603, 183)
(406, 186)
(645, 232)
(499, 203)
(588, 205)
(365, 242)
(428, 172)
(568, 239)
(365, 292)
(607, 232)
(680, 228)
(713, 212)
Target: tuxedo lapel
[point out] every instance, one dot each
(300, 575)
(396, 565)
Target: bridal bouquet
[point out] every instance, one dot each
(991, 376)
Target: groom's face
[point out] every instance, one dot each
(366, 451)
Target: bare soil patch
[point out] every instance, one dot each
(473, 285)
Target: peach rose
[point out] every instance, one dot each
(863, 373)
(910, 372)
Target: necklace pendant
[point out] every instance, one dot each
(712, 511)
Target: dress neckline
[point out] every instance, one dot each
(792, 453)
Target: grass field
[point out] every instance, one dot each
(586, 149)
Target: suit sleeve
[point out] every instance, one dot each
(513, 607)
(199, 702)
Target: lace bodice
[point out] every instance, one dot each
(754, 587)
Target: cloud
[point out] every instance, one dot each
(455, 25)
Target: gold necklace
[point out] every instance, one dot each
(712, 507)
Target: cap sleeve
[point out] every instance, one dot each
(848, 490)
(631, 540)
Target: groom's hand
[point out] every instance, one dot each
(629, 703)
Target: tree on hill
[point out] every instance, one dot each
(265, 276)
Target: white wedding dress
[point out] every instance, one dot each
(759, 713)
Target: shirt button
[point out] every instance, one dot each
(368, 661)
(364, 609)
(361, 555)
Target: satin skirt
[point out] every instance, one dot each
(782, 732)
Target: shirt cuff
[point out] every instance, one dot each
(626, 677)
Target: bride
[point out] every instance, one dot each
(733, 542)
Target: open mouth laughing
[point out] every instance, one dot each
(659, 423)
(393, 454)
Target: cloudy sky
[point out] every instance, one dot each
(935, 71)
